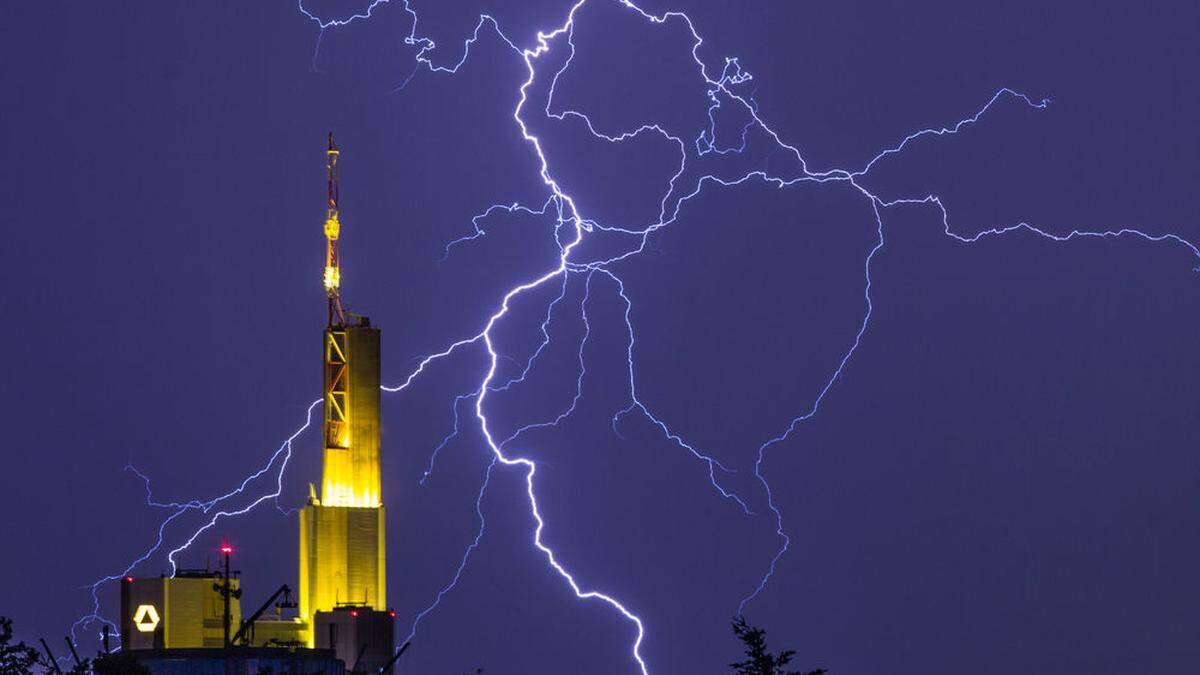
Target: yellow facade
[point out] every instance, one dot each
(268, 632)
(342, 558)
(194, 612)
(342, 533)
(351, 458)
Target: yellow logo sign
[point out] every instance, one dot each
(145, 618)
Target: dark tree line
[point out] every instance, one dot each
(15, 659)
(21, 659)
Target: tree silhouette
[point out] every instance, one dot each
(21, 659)
(17, 659)
(759, 661)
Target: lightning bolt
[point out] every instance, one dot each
(278, 461)
(570, 230)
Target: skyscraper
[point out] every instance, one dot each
(343, 559)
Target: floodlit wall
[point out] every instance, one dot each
(176, 612)
(351, 458)
(342, 558)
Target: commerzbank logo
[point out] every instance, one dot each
(145, 618)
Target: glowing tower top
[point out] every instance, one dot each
(333, 230)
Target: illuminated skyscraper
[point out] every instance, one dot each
(342, 534)
(169, 622)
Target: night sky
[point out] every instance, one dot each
(1003, 478)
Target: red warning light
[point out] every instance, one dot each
(226, 549)
(392, 613)
(354, 612)
(129, 580)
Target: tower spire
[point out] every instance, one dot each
(333, 272)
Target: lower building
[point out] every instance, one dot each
(362, 637)
(278, 633)
(183, 611)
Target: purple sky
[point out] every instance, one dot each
(1003, 478)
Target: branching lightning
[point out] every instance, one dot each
(570, 230)
(587, 332)
(278, 461)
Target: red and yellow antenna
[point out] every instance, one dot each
(333, 272)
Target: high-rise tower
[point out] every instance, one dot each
(342, 552)
(343, 564)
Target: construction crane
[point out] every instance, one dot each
(245, 633)
(400, 652)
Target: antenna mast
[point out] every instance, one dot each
(333, 273)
